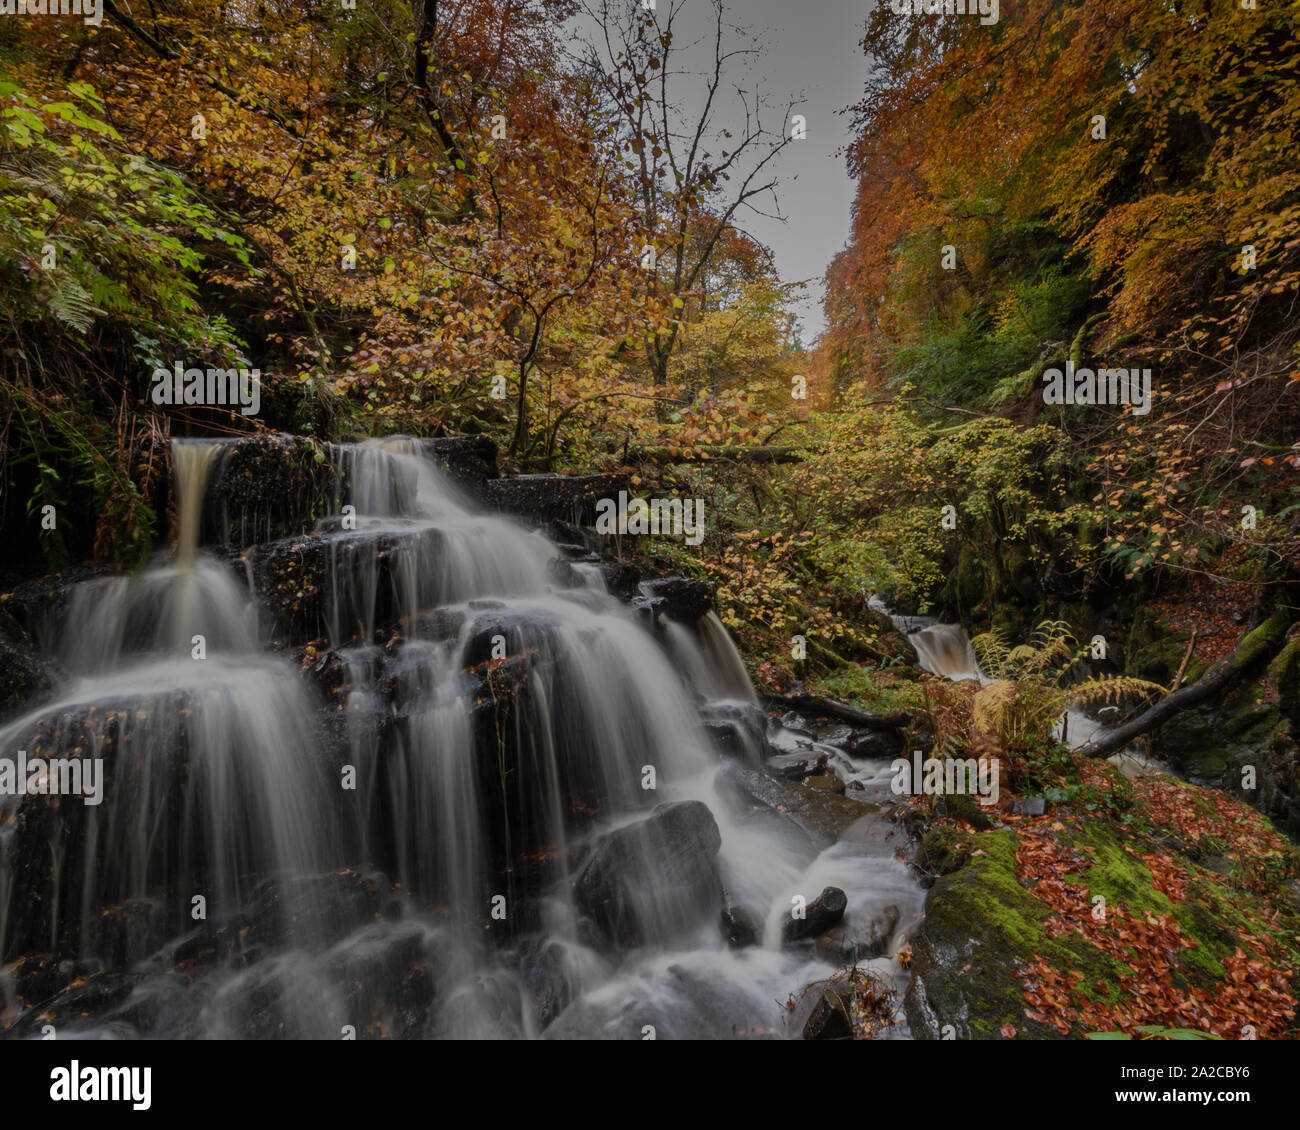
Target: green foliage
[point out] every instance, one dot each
(99, 254)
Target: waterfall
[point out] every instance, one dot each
(209, 777)
(485, 772)
(945, 649)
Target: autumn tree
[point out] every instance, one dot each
(695, 170)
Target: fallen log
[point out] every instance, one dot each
(1255, 649)
(706, 452)
(829, 708)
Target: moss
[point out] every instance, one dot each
(982, 924)
(1154, 651)
(944, 849)
(872, 690)
(962, 806)
(1113, 873)
(1284, 672)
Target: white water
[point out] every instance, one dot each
(945, 649)
(217, 777)
(251, 801)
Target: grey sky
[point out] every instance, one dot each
(813, 52)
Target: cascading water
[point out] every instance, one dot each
(945, 649)
(208, 783)
(525, 759)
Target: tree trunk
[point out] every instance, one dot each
(829, 708)
(1257, 648)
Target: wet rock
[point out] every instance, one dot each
(739, 927)
(541, 965)
(32, 612)
(1029, 806)
(268, 486)
(825, 782)
(825, 911)
(727, 736)
(373, 967)
(37, 977)
(881, 744)
(350, 584)
(657, 877)
(561, 573)
(125, 933)
(25, 679)
(314, 908)
(441, 624)
(81, 1001)
(467, 459)
(650, 610)
(622, 578)
(861, 939)
(822, 817)
(573, 538)
(685, 599)
(52, 836)
(829, 1019)
(547, 498)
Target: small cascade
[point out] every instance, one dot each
(945, 649)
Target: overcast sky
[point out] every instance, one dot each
(814, 52)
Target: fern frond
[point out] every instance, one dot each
(1115, 689)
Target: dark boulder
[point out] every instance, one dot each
(824, 912)
(685, 599)
(829, 1019)
(315, 909)
(739, 927)
(656, 879)
(859, 937)
(548, 498)
(622, 578)
(468, 459)
(25, 679)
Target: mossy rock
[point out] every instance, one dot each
(981, 925)
(1154, 651)
(1284, 672)
(962, 806)
(1210, 742)
(944, 849)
